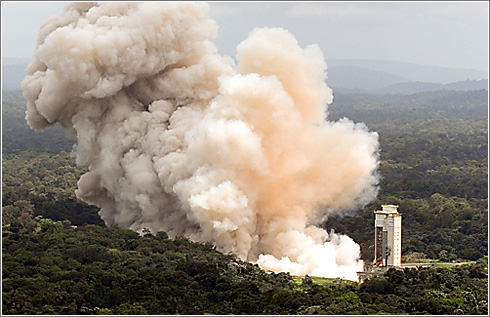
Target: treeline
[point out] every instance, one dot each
(52, 267)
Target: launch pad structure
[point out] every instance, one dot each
(388, 237)
(387, 242)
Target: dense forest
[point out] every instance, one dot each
(53, 267)
(59, 258)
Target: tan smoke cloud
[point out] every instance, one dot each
(177, 138)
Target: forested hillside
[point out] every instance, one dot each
(17, 136)
(59, 258)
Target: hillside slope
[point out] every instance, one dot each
(359, 78)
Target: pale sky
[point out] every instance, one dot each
(439, 33)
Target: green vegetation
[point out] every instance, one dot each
(434, 165)
(59, 258)
(46, 184)
(430, 142)
(52, 267)
(441, 228)
(17, 136)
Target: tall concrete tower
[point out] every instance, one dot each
(388, 236)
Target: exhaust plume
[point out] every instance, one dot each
(180, 139)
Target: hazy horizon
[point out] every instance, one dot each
(441, 34)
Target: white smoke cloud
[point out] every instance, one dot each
(177, 138)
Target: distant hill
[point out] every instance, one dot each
(412, 72)
(13, 72)
(12, 76)
(409, 88)
(345, 76)
(353, 77)
(374, 79)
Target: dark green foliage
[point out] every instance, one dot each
(433, 142)
(57, 268)
(48, 183)
(378, 286)
(61, 269)
(18, 137)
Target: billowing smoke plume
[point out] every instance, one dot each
(178, 138)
